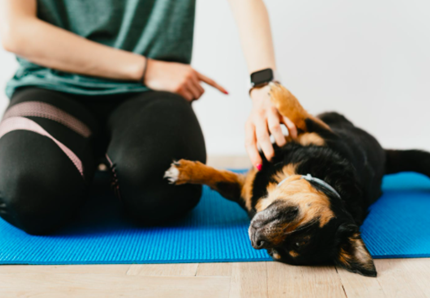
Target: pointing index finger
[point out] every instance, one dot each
(211, 83)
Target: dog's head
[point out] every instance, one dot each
(303, 224)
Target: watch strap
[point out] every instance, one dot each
(276, 78)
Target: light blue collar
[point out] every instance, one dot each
(309, 177)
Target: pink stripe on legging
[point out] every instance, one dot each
(44, 110)
(21, 123)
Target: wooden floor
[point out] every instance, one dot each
(396, 278)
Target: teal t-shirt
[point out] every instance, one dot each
(158, 29)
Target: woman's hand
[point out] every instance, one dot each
(264, 121)
(177, 78)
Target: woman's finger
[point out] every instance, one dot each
(292, 129)
(275, 129)
(263, 138)
(193, 90)
(251, 146)
(184, 92)
(196, 83)
(211, 82)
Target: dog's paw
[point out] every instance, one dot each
(172, 173)
(277, 93)
(180, 172)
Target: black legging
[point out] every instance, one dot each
(51, 142)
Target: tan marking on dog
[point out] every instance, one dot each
(306, 139)
(276, 256)
(310, 138)
(195, 172)
(288, 105)
(293, 253)
(286, 172)
(313, 205)
(355, 251)
(247, 188)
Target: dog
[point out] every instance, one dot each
(306, 205)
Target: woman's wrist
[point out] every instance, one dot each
(133, 67)
(262, 78)
(258, 93)
(144, 70)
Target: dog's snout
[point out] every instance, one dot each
(257, 224)
(292, 213)
(259, 241)
(266, 227)
(294, 210)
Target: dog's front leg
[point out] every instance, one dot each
(232, 186)
(288, 106)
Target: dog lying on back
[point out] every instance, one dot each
(306, 205)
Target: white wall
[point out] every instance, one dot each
(366, 59)
(369, 60)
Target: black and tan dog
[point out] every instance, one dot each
(308, 203)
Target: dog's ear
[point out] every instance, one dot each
(352, 253)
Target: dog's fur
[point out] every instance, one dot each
(300, 221)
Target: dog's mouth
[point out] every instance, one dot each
(268, 235)
(274, 253)
(269, 227)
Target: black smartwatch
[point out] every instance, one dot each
(262, 78)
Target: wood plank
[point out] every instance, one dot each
(163, 269)
(249, 280)
(108, 285)
(403, 277)
(356, 285)
(395, 280)
(419, 270)
(64, 269)
(303, 281)
(214, 269)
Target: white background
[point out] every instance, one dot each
(369, 60)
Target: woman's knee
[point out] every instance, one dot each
(161, 125)
(39, 190)
(148, 133)
(148, 198)
(39, 210)
(157, 206)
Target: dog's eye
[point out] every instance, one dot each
(301, 242)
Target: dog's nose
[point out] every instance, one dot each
(259, 241)
(259, 244)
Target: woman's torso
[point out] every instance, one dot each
(159, 29)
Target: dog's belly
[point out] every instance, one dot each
(360, 148)
(363, 151)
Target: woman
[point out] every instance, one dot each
(112, 78)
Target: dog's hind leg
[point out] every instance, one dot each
(232, 186)
(288, 105)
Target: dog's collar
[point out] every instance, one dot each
(309, 177)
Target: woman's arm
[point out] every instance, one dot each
(47, 45)
(256, 38)
(253, 23)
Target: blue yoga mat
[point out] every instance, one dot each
(215, 231)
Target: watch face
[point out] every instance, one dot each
(262, 76)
